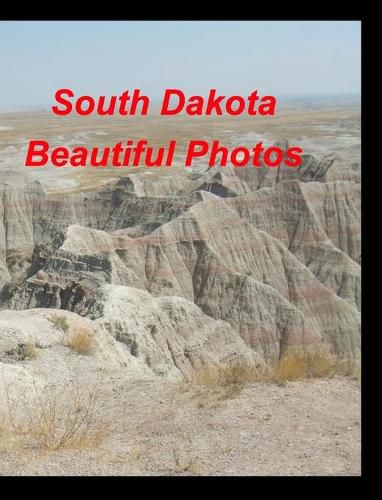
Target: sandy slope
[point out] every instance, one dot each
(303, 428)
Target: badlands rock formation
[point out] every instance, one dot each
(187, 271)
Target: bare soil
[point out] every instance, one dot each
(162, 428)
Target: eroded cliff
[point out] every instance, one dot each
(197, 269)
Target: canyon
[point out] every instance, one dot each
(189, 270)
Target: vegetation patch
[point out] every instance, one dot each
(218, 383)
(52, 418)
(81, 341)
(60, 322)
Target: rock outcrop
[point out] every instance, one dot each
(170, 334)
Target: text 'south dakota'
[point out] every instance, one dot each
(174, 102)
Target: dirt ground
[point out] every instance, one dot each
(162, 428)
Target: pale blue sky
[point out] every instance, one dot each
(103, 58)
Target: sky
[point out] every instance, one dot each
(108, 57)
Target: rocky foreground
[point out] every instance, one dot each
(159, 428)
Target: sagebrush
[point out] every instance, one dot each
(52, 418)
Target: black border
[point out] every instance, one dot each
(293, 13)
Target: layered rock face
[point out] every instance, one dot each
(189, 271)
(170, 334)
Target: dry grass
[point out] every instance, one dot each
(224, 382)
(59, 322)
(185, 461)
(31, 351)
(50, 418)
(235, 373)
(184, 455)
(81, 341)
(22, 351)
(312, 365)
